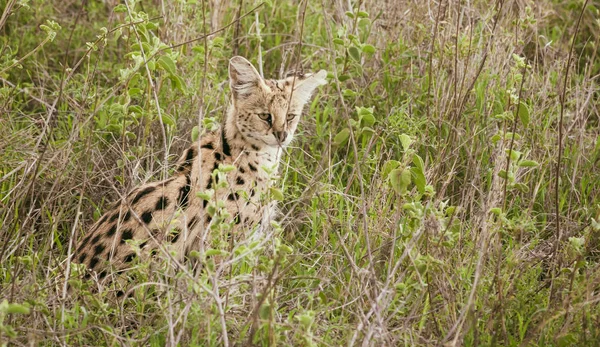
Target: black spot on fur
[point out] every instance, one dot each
(209, 184)
(239, 180)
(191, 153)
(82, 258)
(127, 235)
(99, 249)
(208, 146)
(102, 274)
(94, 262)
(233, 196)
(255, 147)
(237, 219)
(184, 192)
(241, 170)
(226, 148)
(120, 293)
(84, 242)
(96, 239)
(111, 231)
(147, 217)
(192, 222)
(215, 166)
(252, 192)
(143, 244)
(142, 193)
(102, 220)
(129, 258)
(162, 203)
(252, 167)
(127, 216)
(174, 235)
(114, 217)
(217, 156)
(208, 219)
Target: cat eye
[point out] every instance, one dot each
(266, 117)
(290, 117)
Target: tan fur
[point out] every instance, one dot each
(169, 213)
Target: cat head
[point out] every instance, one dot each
(267, 112)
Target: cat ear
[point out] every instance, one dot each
(305, 86)
(243, 77)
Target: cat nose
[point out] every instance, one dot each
(280, 135)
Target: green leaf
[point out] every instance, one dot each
(354, 53)
(406, 141)
(419, 179)
(400, 179)
(338, 41)
(528, 163)
(343, 78)
(17, 308)
(419, 163)
(276, 194)
(341, 137)
(389, 166)
(363, 14)
(177, 82)
(195, 133)
(350, 14)
(215, 252)
(367, 120)
(167, 119)
(369, 49)
(167, 64)
(496, 210)
(120, 8)
(523, 114)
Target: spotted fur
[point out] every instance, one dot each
(261, 121)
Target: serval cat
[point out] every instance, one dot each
(178, 212)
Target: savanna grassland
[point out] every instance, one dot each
(442, 190)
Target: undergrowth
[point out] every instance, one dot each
(442, 189)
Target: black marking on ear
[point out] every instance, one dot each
(239, 180)
(94, 262)
(192, 222)
(162, 203)
(96, 238)
(112, 231)
(126, 235)
(142, 193)
(233, 196)
(147, 217)
(225, 144)
(82, 258)
(252, 167)
(184, 192)
(208, 146)
(99, 249)
(129, 257)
